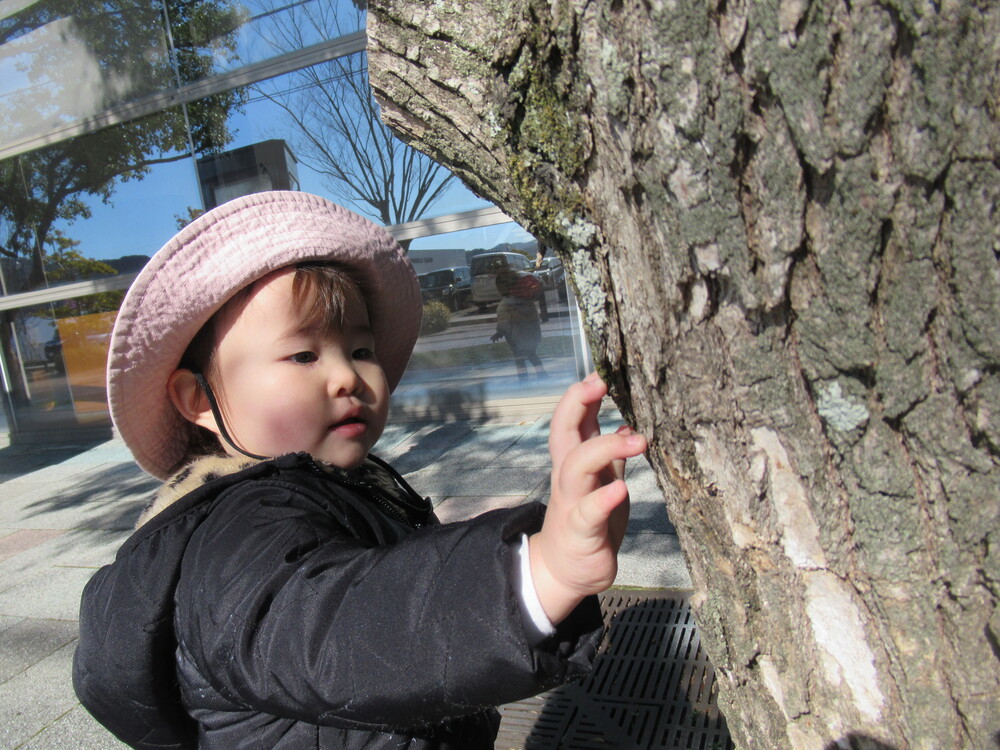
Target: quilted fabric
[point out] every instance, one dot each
(283, 608)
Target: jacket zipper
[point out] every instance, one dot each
(365, 490)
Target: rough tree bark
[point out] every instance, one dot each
(781, 219)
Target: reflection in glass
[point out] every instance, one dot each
(332, 124)
(47, 191)
(460, 364)
(62, 62)
(271, 28)
(101, 203)
(56, 358)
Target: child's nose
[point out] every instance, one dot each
(344, 379)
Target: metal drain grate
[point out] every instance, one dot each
(652, 687)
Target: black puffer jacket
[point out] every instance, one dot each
(289, 606)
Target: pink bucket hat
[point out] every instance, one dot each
(210, 260)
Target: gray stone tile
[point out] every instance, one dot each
(9, 622)
(652, 561)
(74, 730)
(425, 446)
(22, 541)
(67, 510)
(73, 548)
(46, 593)
(440, 482)
(531, 449)
(29, 641)
(461, 508)
(394, 433)
(36, 698)
(483, 444)
(649, 517)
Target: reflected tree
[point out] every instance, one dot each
(75, 59)
(338, 130)
(128, 49)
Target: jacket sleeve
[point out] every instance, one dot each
(298, 619)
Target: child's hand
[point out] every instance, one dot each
(576, 552)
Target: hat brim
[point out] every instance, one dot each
(210, 260)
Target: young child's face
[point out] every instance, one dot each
(284, 388)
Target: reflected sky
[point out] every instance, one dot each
(58, 69)
(51, 75)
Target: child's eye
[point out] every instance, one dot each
(303, 358)
(364, 353)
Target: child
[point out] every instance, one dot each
(286, 589)
(517, 319)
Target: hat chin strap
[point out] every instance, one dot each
(217, 413)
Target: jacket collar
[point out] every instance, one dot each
(373, 472)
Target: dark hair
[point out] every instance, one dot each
(322, 292)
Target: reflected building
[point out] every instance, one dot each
(268, 165)
(123, 122)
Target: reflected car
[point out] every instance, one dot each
(551, 272)
(485, 268)
(53, 353)
(452, 286)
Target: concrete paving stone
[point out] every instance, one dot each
(27, 642)
(639, 474)
(74, 730)
(530, 450)
(483, 444)
(18, 460)
(460, 508)
(112, 451)
(63, 471)
(36, 698)
(649, 517)
(424, 446)
(9, 622)
(45, 594)
(652, 561)
(395, 432)
(109, 498)
(443, 481)
(67, 511)
(23, 540)
(77, 548)
(646, 515)
(85, 548)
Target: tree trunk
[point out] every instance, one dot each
(781, 220)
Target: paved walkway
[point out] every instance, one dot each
(64, 511)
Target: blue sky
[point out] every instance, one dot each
(140, 217)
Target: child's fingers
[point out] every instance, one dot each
(575, 417)
(595, 509)
(586, 466)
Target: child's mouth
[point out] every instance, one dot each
(350, 427)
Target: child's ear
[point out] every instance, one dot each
(190, 400)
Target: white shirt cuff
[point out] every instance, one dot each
(535, 622)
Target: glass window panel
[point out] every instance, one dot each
(524, 343)
(113, 197)
(62, 62)
(270, 28)
(321, 129)
(55, 358)
(62, 220)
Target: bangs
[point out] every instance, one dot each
(323, 292)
